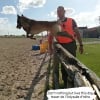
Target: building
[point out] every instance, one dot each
(93, 32)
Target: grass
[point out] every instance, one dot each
(90, 39)
(91, 57)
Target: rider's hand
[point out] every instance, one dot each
(81, 49)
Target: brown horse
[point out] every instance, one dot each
(32, 27)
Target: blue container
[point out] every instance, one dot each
(35, 47)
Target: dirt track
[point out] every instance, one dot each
(20, 73)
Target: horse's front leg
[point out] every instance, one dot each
(32, 37)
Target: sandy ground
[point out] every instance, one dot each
(21, 77)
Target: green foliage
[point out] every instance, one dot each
(91, 57)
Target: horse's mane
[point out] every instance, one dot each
(35, 21)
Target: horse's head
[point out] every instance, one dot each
(23, 22)
(19, 25)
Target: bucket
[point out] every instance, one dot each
(44, 47)
(46, 44)
(35, 47)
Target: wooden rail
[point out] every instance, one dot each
(78, 74)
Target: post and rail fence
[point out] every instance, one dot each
(78, 74)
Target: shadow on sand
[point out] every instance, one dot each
(36, 79)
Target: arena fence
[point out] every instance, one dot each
(78, 74)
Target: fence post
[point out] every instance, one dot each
(55, 69)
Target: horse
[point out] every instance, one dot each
(32, 27)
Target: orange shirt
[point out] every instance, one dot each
(67, 27)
